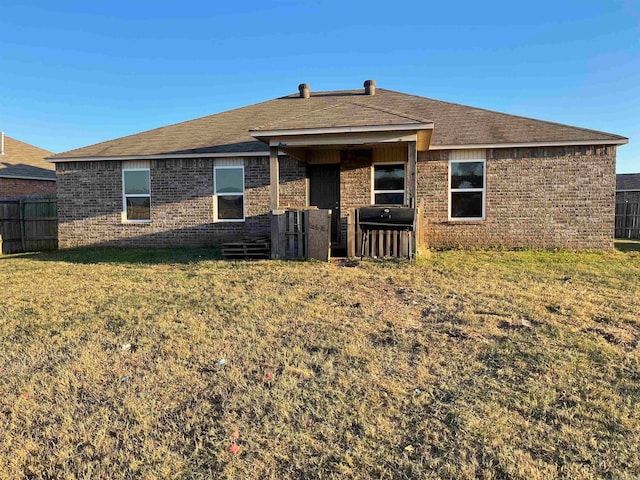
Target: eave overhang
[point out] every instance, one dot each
(28, 177)
(347, 135)
(558, 143)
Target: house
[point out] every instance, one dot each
(628, 187)
(479, 178)
(23, 170)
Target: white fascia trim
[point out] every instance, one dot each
(529, 144)
(353, 129)
(28, 178)
(340, 139)
(631, 190)
(163, 156)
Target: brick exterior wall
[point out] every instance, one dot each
(355, 189)
(551, 197)
(17, 187)
(90, 203)
(293, 183)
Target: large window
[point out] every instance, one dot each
(136, 188)
(228, 185)
(467, 189)
(388, 184)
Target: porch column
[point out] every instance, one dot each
(274, 178)
(412, 177)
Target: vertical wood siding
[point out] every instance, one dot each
(479, 154)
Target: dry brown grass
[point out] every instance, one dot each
(467, 365)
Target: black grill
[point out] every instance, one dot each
(385, 218)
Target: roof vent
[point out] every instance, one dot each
(369, 87)
(305, 90)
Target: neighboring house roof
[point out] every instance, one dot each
(24, 161)
(628, 181)
(455, 125)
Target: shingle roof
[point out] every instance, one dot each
(343, 114)
(21, 160)
(228, 132)
(628, 181)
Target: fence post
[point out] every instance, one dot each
(290, 229)
(22, 229)
(303, 231)
(351, 234)
(275, 234)
(627, 214)
(634, 229)
(278, 234)
(417, 233)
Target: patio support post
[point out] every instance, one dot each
(412, 177)
(274, 178)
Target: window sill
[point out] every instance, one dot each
(229, 220)
(465, 221)
(135, 222)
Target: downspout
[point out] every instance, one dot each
(1, 143)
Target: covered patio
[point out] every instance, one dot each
(355, 156)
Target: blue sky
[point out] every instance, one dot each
(73, 73)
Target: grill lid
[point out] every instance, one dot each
(388, 217)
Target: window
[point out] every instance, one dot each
(466, 189)
(228, 188)
(136, 188)
(388, 184)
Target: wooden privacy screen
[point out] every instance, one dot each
(303, 233)
(28, 225)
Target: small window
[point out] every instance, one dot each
(467, 192)
(228, 184)
(388, 184)
(136, 187)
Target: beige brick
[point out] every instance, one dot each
(551, 197)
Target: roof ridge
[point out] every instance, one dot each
(508, 114)
(387, 110)
(342, 103)
(301, 115)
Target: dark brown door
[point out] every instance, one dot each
(324, 192)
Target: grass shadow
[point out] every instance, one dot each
(186, 255)
(124, 255)
(627, 245)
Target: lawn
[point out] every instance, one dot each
(173, 364)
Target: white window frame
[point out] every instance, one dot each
(125, 218)
(373, 182)
(469, 190)
(216, 195)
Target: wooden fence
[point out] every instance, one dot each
(28, 224)
(628, 220)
